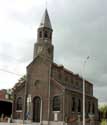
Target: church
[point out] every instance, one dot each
(50, 93)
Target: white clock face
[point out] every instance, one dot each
(39, 50)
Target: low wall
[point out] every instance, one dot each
(80, 123)
(51, 123)
(2, 123)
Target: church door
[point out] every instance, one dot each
(36, 109)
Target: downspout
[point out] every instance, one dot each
(13, 106)
(49, 92)
(41, 113)
(24, 106)
(63, 106)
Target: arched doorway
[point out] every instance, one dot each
(36, 109)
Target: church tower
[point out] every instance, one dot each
(44, 46)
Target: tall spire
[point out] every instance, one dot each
(44, 46)
(45, 22)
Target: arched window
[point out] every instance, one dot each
(71, 80)
(50, 36)
(40, 34)
(79, 105)
(46, 34)
(66, 78)
(59, 75)
(56, 103)
(93, 108)
(73, 104)
(19, 103)
(89, 107)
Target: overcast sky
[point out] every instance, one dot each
(80, 30)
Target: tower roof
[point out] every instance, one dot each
(45, 22)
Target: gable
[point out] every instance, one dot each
(38, 73)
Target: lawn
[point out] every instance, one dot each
(104, 122)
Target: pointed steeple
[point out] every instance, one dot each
(44, 46)
(45, 22)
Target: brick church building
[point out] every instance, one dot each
(50, 92)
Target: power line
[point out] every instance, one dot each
(4, 70)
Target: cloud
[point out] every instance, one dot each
(79, 26)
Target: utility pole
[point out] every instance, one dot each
(83, 76)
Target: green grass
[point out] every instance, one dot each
(104, 122)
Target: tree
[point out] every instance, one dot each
(103, 112)
(23, 78)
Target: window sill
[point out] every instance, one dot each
(19, 111)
